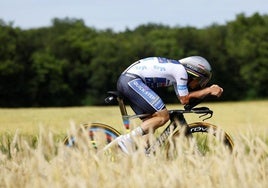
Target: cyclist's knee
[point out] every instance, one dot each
(163, 115)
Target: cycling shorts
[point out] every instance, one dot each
(143, 100)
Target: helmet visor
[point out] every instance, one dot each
(202, 80)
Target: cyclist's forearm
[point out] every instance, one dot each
(195, 94)
(200, 94)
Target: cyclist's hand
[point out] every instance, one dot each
(216, 90)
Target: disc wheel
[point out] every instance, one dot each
(201, 138)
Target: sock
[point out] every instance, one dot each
(136, 132)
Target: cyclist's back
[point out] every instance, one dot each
(159, 72)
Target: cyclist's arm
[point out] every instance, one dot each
(213, 90)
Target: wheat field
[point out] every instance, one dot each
(32, 154)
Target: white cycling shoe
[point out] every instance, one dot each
(126, 144)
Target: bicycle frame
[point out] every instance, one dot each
(176, 119)
(176, 127)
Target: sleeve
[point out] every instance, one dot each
(181, 78)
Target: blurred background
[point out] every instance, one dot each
(70, 53)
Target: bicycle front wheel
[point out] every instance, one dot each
(98, 135)
(200, 137)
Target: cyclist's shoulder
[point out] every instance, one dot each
(149, 59)
(158, 59)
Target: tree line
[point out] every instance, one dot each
(70, 64)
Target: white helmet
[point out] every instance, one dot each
(197, 67)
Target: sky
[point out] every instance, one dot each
(121, 14)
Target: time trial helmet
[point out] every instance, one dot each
(197, 67)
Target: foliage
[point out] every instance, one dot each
(70, 64)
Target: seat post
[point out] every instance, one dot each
(122, 106)
(124, 114)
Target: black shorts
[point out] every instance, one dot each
(143, 100)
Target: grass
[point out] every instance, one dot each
(40, 160)
(232, 116)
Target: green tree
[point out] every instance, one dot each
(247, 47)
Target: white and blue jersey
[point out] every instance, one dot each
(161, 72)
(136, 83)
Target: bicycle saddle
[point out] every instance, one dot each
(112, 97)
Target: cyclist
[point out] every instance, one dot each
(189, 77)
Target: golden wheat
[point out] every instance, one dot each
(43, 161)
(51, 164)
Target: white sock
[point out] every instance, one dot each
(136, 132)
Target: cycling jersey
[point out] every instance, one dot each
(161, 72)
(136, 83)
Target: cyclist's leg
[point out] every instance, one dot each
(158, 119)
(143, 100)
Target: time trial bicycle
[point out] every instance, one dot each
(205, 137)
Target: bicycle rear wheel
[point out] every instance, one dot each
(98, 134)
(200, 137)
